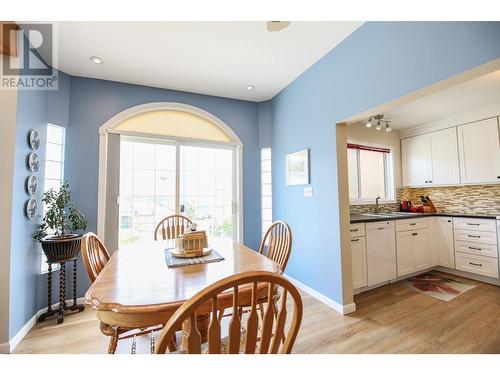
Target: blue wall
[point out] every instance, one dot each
(93, 102)
(379, 62)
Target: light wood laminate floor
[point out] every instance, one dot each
(389, 319)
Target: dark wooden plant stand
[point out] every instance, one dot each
(62, 293)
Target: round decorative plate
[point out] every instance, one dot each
(31, 208)
(32, 185)
(34, 139)
(191, 254)
(34, 162)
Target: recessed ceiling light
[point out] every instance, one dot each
(250, 87)
(96, 60)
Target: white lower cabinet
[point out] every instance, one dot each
(413, 251)
(444, 239)
(480, 265)
(358, 252)
(380, 252)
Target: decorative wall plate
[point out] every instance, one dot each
(32, 185)
(34, 162)
(34, 139)
(31, 208)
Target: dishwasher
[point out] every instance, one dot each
(380, 252)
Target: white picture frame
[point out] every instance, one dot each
(297, 168)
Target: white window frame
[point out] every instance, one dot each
(265, 224)
(43, 265)
(389, 176)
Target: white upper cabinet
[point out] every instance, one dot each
(431, 159)
(479, 151)
(443, 157)
(415, 160)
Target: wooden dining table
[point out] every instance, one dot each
(136, 289)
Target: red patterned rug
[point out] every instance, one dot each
(442, 287)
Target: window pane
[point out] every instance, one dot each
(267, 189)
(352, 166)
(51, 184)
(144, 182)
(55, 134)
(372, 166)
(266, 165)
(266, 178)
(144, 155)
(53, 170)
(165, 157)
(267, 202)
(265, 153)
(165, 183)
(54, 152)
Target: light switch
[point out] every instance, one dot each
(308, 191)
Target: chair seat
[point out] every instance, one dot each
(224, 346)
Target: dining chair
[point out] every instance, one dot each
(277, 243)
(171, 227)
(273, 337)
(95, 256)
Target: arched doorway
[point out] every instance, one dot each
(158, 159)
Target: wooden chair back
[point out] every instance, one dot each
(94, 254)
(206, 302)
(277, 243)
(171, 227)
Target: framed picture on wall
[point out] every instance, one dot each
(297, 167)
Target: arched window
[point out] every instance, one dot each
(159, 159)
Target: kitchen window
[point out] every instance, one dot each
(266, 189)
(370, 170)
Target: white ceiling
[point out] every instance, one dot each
(214, 58)
(469, 96)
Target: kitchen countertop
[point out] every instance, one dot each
(384, 216)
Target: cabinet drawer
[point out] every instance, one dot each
(484, 225)
(477, 264)
(476, 236)
(412, 224)
(380, 225)
(357, 230)
(476, 249)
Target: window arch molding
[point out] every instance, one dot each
(109, 127)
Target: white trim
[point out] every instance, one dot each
(342, 309)
(109, 125)
(8, 347)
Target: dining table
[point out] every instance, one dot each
(136, 288)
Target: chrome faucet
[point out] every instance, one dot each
(377, 207)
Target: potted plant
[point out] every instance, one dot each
(60, 221)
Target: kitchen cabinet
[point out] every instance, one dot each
(479, 151)
(380, 252)
(431, 159)
(413, 251)
(444, 239)
(415, 160)
(358, 253)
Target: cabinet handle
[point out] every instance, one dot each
(475, 248)
(354, 239)
(475, 264)
(426, 182)
(473, 224)
(354, 230)
(413, 223)
(498, 176)
(414, 234)
(471, 236)
(430, 182)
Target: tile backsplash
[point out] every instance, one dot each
(459, 199)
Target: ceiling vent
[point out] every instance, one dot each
(277, 25)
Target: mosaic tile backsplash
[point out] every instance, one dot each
(483, 199)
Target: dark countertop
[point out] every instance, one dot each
(384, 216)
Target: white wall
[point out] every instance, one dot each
(359, 132)
(8, 110)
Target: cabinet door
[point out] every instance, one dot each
(444, 167)
(415, 160)
(444, 234)
(479, 151)
(421, 249)
(405, 263)
(358, 253)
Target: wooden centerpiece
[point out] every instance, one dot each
(192, 244)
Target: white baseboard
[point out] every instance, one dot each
(342, 309)
(8, 347)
